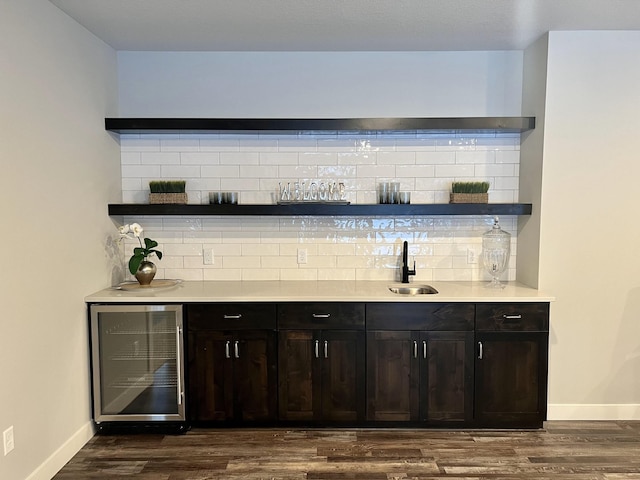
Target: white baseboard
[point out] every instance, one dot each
(62, 455)
(594, 411)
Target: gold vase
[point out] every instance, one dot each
(146, 272)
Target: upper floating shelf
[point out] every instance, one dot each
(274, 125)
(324, 209)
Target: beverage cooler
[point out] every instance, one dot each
(137, 367)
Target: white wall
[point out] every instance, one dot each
(531, 160)
(589, 229)
(320, 84)
(60, 169)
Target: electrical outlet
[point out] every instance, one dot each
(7, 437)
(472, 256)
(302, 255)
(207, 256)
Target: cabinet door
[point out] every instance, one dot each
(446, 380)
(392, 376)
(210, 377)
(321, 375)
(298, 375)
(343, 375)
(511, 378)
(254, 372)
(420, 376)
(232, 375)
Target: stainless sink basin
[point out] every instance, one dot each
(412, 289)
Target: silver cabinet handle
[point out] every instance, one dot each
(178, 362)
(326, 349)
(480, 350)
(227, 354)
(512, 317)
(317, 347)
(415, 349)
(232, 317)
(321, 315)
(424, 349)
(235, 349)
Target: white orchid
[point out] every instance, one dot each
(140, 253)
(128, 230)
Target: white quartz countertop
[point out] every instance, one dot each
(320, 291)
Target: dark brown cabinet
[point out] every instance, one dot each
(425, 364)
(232, 363)
(511, 364)
(321, 366)
(420, 363)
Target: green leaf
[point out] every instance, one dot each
(158, 253)
(134, 263)
(150, 243)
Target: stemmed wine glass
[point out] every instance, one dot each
(496, 248)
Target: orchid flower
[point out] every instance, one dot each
(140, 253)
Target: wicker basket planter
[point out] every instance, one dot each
(174, 198)
(468, 198)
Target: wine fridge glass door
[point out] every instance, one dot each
(137, 362)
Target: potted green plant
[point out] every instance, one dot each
(139, 265)
(469, 192)
(167, 191)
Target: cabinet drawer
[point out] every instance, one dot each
(515, 317)
(227, 316)
(420, 316)
(320, 315)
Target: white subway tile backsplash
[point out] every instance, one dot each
(357, 158)
(278, 158)
(130, 158)
(181, 144)
(141, 171)
(295, 144)
(217, 143)
(456, 171)
(160, 158)
(506, 156)
(247, 144)
(396, 158)
(482, 157)
(495, 170)
(455, 144)
(346, 248)
(239, 158)
(136, 144)
(200, 158)
(317, 158)
(336, 145)
(221, 171)
(180, 171)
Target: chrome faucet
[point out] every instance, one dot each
(406, 272)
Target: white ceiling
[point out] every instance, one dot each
(341, 25)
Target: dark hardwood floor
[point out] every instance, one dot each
(562, 450)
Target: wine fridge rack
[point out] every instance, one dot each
(164, 349)
(145, 379)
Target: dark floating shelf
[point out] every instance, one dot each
(324, 209)
(274, 125)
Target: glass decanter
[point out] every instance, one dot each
(496, 248)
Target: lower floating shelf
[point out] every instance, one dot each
(324, 209)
